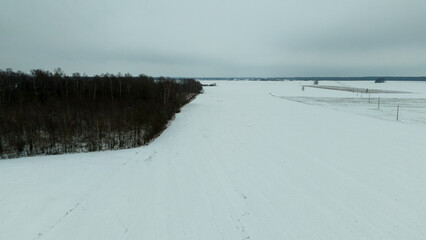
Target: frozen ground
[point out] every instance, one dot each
(242, 161)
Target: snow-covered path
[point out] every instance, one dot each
(236, 163)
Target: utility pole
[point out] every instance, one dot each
(378, 104)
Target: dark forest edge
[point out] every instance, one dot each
(51, 113)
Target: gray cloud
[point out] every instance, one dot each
(216, 38)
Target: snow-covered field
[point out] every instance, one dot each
(407, 107)
(244, 160)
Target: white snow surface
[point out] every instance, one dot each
(239, 162)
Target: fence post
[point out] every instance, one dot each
(397, 113)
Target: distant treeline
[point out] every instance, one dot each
(316, 78)
(52, 113)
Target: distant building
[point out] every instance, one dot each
(380, 80)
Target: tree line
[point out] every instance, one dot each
(51, 113)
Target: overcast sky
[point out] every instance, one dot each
(267, 38)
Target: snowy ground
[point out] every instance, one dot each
(408, 107)
(244, 160)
